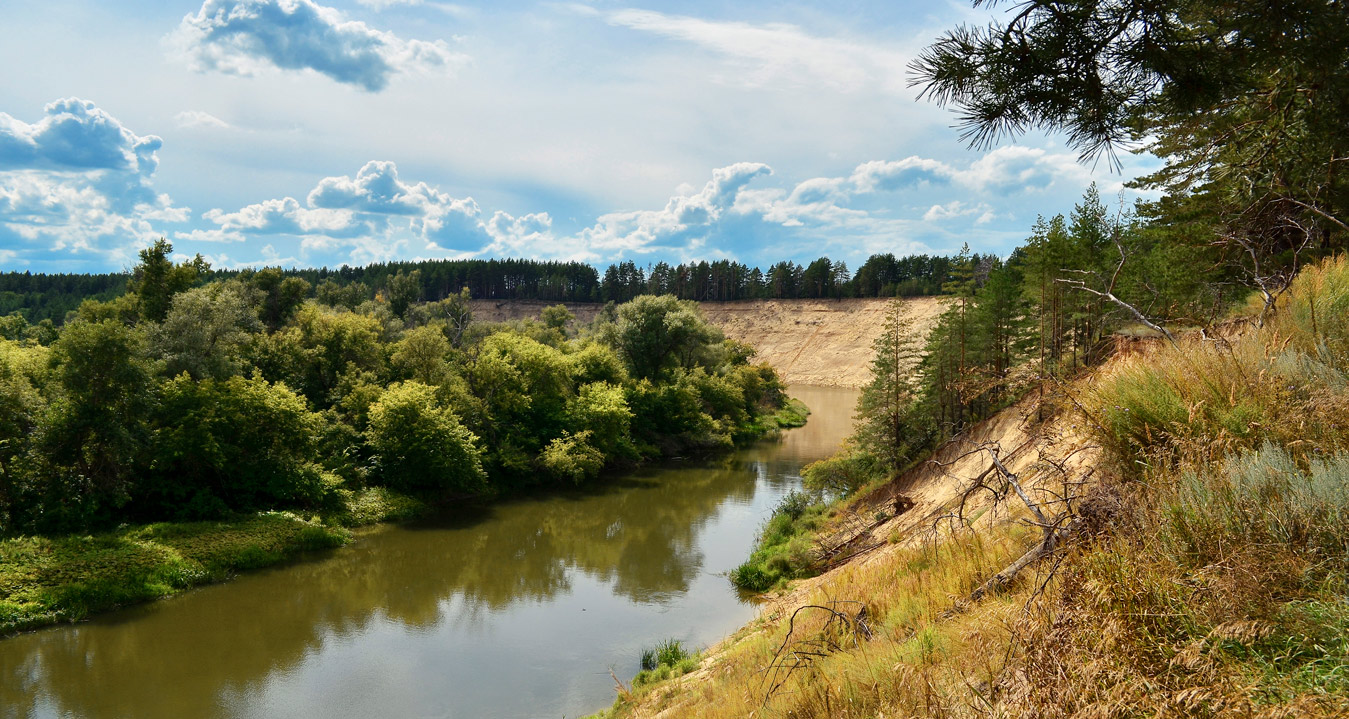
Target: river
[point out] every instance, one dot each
(519, 609)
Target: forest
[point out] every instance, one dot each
(28, 299)
(196, 397)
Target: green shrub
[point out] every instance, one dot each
(665, 660)
(421, 445)
(842, 474)
(570, 458)
(667, 653)
(1262, 498)
(785, 548)
(231, 446)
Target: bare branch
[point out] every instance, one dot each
(1080, 285)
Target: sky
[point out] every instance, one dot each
(327, 132)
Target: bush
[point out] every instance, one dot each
(571, 458)
(231, 446)
(665, 660)
(784, 549)
(1261, 498)
(420, 445)
(669, 652)
(841, 474)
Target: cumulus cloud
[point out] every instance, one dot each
(79, 180)
(684, 218)
(375, 214)
(376, 188)
(777, 52)
(1015, 168)
(240, 37)
(892, 175)
(956, 208)
(820, 201)
(75, 134)
(210, 236)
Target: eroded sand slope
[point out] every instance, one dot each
(818, 342)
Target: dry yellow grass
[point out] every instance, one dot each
(912, 573)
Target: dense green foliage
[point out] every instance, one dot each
(191, 400)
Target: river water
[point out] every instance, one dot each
(519, 609)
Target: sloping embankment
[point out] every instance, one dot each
(816, 342)
(872, 554)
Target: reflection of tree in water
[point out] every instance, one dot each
(183, 658)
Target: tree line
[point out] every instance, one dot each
(28, 298)
(196, 396)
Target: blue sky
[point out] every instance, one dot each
(307, 133)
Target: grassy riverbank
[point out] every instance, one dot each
(48, 580)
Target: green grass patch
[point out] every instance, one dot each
(45, 580)
(372, 505)
(785, 548)
(663, 661)
(792, 414)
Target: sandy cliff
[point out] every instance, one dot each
(818, 342)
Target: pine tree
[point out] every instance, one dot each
(886, 409)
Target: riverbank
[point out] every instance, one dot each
(503, 608)
(50, 580)
(1162, 536)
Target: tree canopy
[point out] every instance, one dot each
(1247, 101)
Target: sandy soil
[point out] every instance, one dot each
(817, 342)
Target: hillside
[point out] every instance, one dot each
(816, 342)
(885, 560)
(1163, 535)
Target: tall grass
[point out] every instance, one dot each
(1262, 498)
(1202, 400)
(785, 547)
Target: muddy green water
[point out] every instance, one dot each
(518, 610)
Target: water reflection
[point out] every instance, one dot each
(512, 610)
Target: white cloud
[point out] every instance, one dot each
(1016, 168)
(376, 188)
(376, 215)
(287, 217)
(77, 180)
(210, 236)
(74, 134)
(198, 118)
(241, 37)
(684, 219)
(891, 175)
(958, 208)
(776, 53)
